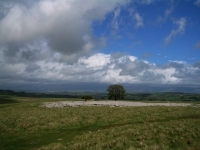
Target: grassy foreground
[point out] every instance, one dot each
(25, 125)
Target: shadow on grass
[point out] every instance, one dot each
(7, 100)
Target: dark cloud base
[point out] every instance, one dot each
(99, 87)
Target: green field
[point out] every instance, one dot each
(25, 125)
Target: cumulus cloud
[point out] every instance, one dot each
(96, 61)
(64, 25)
(149, 76)
(102, 68)
(181, 23)
(133, 68)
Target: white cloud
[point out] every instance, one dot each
(181, 23)
(177, 61)
(96, 61)
(132, 58)
(167, 73)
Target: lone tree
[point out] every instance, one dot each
(116, 92)
(86, 97)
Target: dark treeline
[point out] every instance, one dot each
(165, 96)
(39, 95)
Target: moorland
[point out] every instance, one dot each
(26, 125)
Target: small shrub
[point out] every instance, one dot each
(87, 97)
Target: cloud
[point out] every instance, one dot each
(26, 53)
(133, 68)
(181, 23)
(168, 12)
(186, 73)
(47, 41)
(115, 18)
(100, 68)
(149, 76)
(197, 65)
(96, 61)
(197, 2)
(197, 45)
(147, 2)
(139, 20)
(32, 68)
(63, 25)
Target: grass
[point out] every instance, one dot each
(25, 125)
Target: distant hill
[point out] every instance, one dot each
(100, 87)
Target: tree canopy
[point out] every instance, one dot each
(116, 91)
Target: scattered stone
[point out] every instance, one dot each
(108, 103)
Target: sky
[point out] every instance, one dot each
(67, 44)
